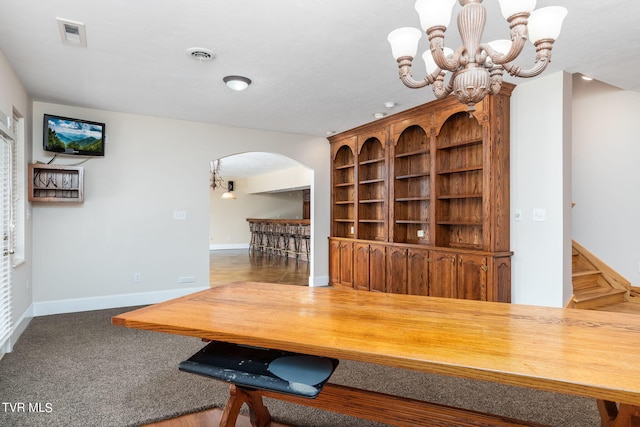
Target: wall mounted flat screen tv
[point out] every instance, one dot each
(73, 136)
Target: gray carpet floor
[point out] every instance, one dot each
(77, 369)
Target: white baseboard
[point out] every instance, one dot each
(319, 281)
(20, 326)
(229, 246)
(22, 323)
(46, 308)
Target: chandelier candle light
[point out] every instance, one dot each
(218, 182)
(476, 67)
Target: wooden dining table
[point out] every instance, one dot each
(577, 352)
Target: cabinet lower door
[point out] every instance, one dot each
(442, 275)
(418, 272)
(346, 264)
(472, 277)
(361, 266)
(397, 270)
(334, 262)
(377, 268)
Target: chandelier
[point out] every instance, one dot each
(476, 67)
(218, 182)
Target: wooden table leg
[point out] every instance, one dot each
(258, 413)
(618, 415)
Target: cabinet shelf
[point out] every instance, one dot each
(56, 183)
(372, 221)
(372, 201)
(413, 175)
(371, 181)
(460, 170)
(343, 220)
(469, 223)
(412, 153)
(372, 161)
(413, 199)
(344, 184)
(460, 144)
(411, 221)
(347, 166)
(459, 196)
(344, 202)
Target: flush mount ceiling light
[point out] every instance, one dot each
(476, 67)
(72, 33)
(237, 82)
(201, 54)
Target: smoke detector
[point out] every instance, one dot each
(201, 54)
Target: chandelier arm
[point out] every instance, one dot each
(436, 44)
(498, 58)
(518, 25)
(517, 71)
(543, 58)
(439, 89)
(216, 180)
(404, 70)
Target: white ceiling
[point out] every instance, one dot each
(316, 65)
(254, 163)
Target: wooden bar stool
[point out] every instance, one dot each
(251, 369)
(305, 235)
(254, 229)
(291, 233)
(260, 238)
(297, 240)
(281, 239)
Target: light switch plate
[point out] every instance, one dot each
(179, 214)
(539, 215)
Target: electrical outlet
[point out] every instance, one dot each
(137, 277)
(420, 233)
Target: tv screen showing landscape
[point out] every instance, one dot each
(73, 136)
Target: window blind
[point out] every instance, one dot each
(5, 237)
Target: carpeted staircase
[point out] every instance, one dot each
(598, 287)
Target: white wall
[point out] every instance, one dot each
(541, 179)
(606, 154)
(13, 95)
(295, 177)
(86, 255)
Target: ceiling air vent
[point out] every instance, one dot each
(72, 33)
(201, 54)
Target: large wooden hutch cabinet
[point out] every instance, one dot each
(420, 202)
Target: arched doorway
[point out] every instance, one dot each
(265, 185)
